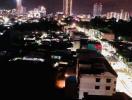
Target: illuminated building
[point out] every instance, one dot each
(110, 15)
(127, 16)
(37, 12)
(97, 9)
(67, 7)
(124, 15)
(19, 6)
(42, 10)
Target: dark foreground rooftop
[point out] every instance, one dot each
(117, 96)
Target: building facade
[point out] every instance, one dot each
(96, 76)
(19, 7)
(97, 9)
(67, 7)
(103, 84)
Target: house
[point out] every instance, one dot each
(96, 76)
(108, 36)
(91, 45)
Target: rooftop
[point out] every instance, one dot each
(94, 63)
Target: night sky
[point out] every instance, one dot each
(79, 6)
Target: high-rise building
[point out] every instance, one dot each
(19, 6)
(97, 9)
(67, 7)
(42, 10)
(110, 15)
(124, 15)
(37, 12)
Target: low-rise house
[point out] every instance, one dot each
(108, 36)
(95, 74)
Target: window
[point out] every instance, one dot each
(97, 87)
(85, 94)
(56, 57)
(114, 89)
(114, 82)
(97, 79)
(108, 80)
(107, 87)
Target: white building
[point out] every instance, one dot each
(124, 15)
(96, 75)
(42, 10)
(97, 9)
(37, 12)
(19, 7)
(67, 7)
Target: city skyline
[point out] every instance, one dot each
(66, 49)
(78, 5)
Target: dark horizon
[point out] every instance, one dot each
(79, 6)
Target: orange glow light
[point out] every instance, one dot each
(60, 84)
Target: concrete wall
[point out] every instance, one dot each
(108, 36)
(76, 45)
(88, 83)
